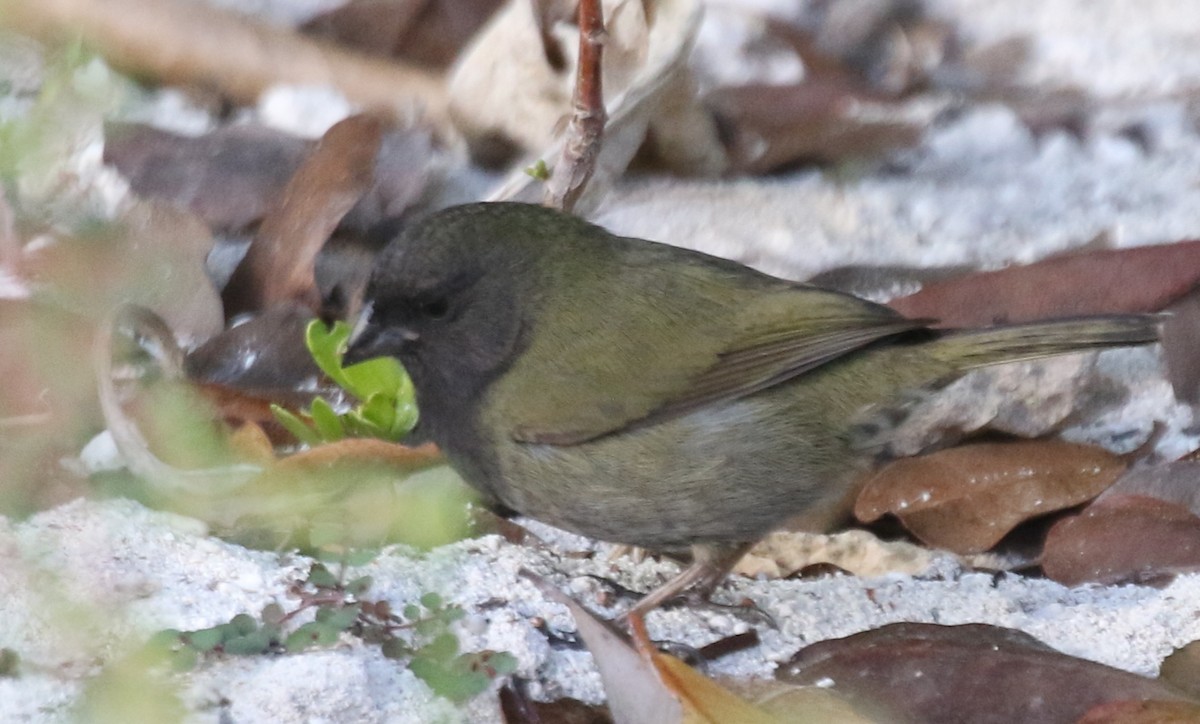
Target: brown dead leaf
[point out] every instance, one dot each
(261, 357)
(771, 127)
(518, 707)
(967, 498)
(1181, 346)
(1123, 539)
(1175, 482)
(1142, 712)
(427, 32)
(228, 178)
(279, 265)
(1104, 281)
(1181, 669)
(975, 672)
(366, 451)
(181, 42)
(643, 685)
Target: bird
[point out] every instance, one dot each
(646, 394)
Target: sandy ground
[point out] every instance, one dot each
(980, 188)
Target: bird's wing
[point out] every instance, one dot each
(689, 346)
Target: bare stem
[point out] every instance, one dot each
(585, 134)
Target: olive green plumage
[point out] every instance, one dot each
(645, 394)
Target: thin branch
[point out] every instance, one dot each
(186, 42)
(585, 134)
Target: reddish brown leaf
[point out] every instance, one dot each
(278, 266)
(427, 32)
(1182, 669)
(1176, 482)
(1129, 538)
(260, 357)
(1142, 279)
(1142, 712)
(771, 127)
(1181, 346)
(228, 178)
(969, 497)
(367, 451)
(934, 674)
(519, 708)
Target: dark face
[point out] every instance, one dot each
(444, 301)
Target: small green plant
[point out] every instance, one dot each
(421, 634)
(538, 171)
(386, 408)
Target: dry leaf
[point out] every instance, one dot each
(969, 497)
(518, 707)
(1104, 281)
(1142, 712)
(1175, 482)
(1181, 669)
(263, 357)
(279, 265)
(643, 685)
(783, 553)
(182, 42)
(971, 673)
(504, 87)
(427, 32)
(771, 127)
(363, 451)
(228, 178)
(1123, 539)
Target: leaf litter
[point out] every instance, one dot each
(852, 62)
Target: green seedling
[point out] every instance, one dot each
(420, 635)
(386, 408)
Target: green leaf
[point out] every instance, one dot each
(311, 634)
(380, 375)
(432, 601)
(359, 585)
(206, 639)
(328, 425)
(380, 411)
(320, 577)
(244, 623)
(296, 426)
(442, 648)
(395, 649)
(327, 345)
(456, 683)
(501, 662)
(344, 617)
(256, 642)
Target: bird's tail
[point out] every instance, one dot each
(1033, 340)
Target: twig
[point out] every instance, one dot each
(134, 448)
(585, 134)
(182, 42)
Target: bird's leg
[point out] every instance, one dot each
(709, 565)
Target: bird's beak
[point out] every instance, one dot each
(372, 340)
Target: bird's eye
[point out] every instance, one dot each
(435, 309)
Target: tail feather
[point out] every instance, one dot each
(1033, 340)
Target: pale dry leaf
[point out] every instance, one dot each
(858, 551)
(646, 82)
